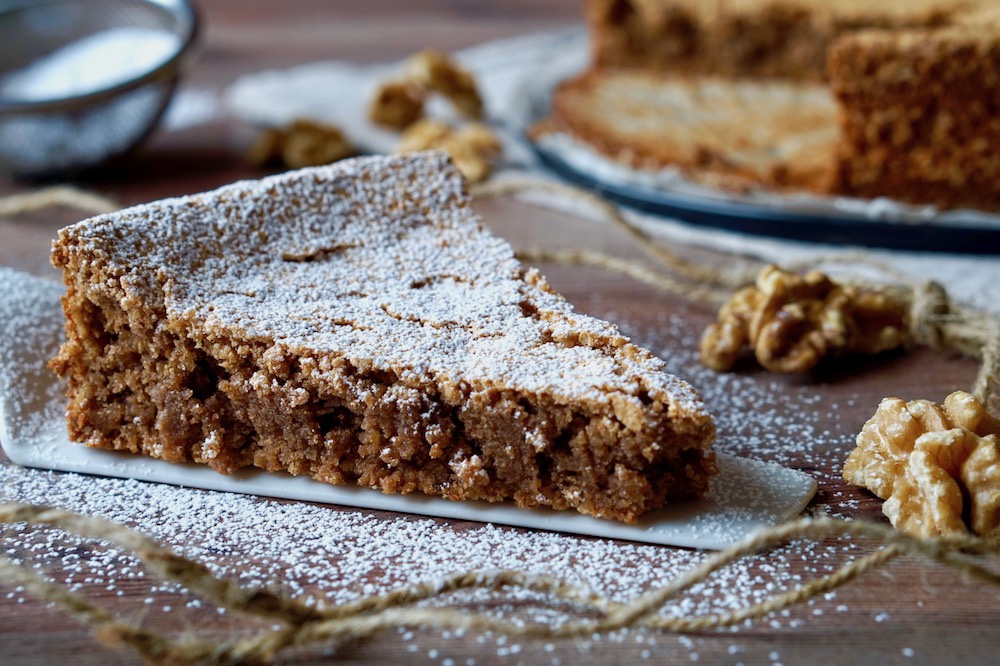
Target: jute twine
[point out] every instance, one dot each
(303, 625)
(57, 195)
(936, 321)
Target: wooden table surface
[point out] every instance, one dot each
(909, 612)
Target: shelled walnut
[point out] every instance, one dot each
(936, 467)
(397, 104)
(437, 71)
(473, 147)
(792, 321)
(303, 143)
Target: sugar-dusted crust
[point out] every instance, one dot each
(733, 134)
(357, 324)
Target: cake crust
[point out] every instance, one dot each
(915, 86)
(745, 38)
(919, 115)
(731, 134)
(357, 324)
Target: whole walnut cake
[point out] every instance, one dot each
(858, 98)
(357, 324)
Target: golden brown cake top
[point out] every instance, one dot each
(377, 264)
(907, 12)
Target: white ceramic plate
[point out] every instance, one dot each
(745, 496)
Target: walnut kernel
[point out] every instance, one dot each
(423, 135)
(473, 147)
(936, 467)
(792, 321)
(303, 143)
(397, 104)
(438, 72)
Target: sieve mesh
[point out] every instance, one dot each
(54, 136)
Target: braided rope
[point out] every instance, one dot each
(935, 321)
(57, 195)
(361, 619)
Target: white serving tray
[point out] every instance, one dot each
(746, 494)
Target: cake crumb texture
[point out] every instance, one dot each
(357, 324)
(734, 134)
(920, 115)
(914, 86)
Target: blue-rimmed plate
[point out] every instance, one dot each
(970, 232)
(803, 217)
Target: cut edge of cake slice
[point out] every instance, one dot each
(357, 323)
(733, 134)
(918, 118)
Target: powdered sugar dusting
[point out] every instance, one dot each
(24, 382)
(329, 555)
(744, 496)
(324, 554)
(380, 262)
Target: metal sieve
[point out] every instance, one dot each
(55, 135)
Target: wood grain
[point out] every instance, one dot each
(936, 616)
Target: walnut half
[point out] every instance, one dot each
(303, 143)
(473, 147)
(936, 467)
(439, 72)
(792, 321)
(398, 104)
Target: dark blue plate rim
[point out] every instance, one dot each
(758, 220)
